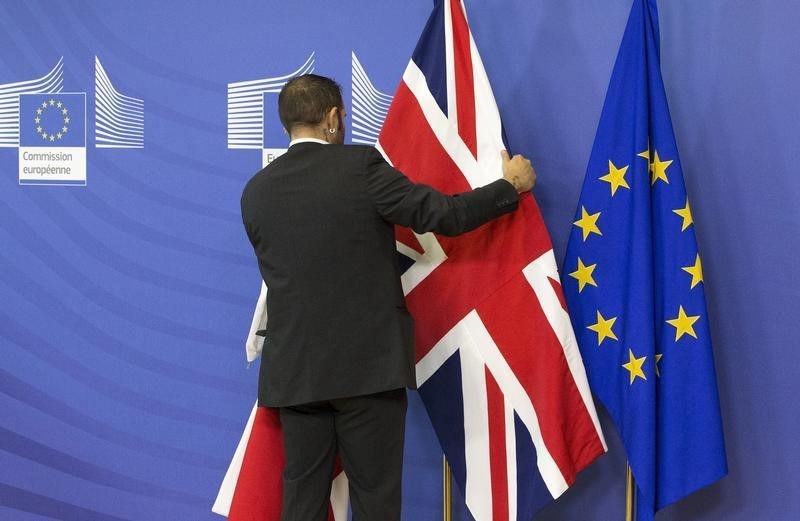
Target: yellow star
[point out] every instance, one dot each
(686, 213)
(38, 129)
(44, 104)
(615, 177)
(44, 135)
(634, 366)
(658, 359)
(695, 271)
(66, 120)
(39, 111)
(58, 135)
(37, 120)
(646, 153)
(683, 324)
(603, 328)
(52, 102)
(64, 111)
(52, 137)
(59, 104)
(584, 275)
(658, 169)
(588, 223)
(64, 129)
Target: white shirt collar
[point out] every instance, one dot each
(307, 140)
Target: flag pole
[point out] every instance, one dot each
(630, 497)
(447, 499)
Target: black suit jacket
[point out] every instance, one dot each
(320, 219)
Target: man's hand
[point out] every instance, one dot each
(518, 171)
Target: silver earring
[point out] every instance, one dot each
(332, 130)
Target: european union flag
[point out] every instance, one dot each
(52, 120)
(635, 284)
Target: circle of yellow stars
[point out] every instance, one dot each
(63, 112)
(584, 274)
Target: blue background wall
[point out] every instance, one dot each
(124, 304)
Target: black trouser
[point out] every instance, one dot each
(368, 433)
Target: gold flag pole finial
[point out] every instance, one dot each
(447, 499)
(630, 497)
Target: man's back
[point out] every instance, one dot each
(337, 319)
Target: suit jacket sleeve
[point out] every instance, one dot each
(424, 209)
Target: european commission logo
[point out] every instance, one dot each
(52, 139)
(253, 121)
(48, 126)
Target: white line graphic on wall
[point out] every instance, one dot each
(118, 119)
(246, 107)
(369, 106)
(9, 101)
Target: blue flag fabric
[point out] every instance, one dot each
(635, 285)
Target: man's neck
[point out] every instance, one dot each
(306, 133)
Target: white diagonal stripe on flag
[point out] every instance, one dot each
(424, 263)
(441, 352)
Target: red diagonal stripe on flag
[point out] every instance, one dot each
(465, 86)
(497, 448)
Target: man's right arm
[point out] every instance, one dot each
(423, 209)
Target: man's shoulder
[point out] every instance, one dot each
(276, 165)
(256, 185)
(256, 178)
(367, 155)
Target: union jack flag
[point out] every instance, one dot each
(498, 367)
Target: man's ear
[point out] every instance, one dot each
(332, 118)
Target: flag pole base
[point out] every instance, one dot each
(447, 498)
(630, 494)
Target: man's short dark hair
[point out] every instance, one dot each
(306, 99)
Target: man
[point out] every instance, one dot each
(338, 352)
